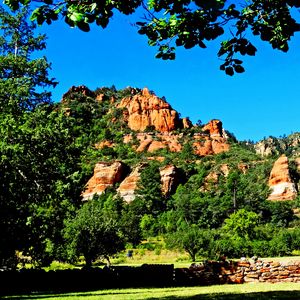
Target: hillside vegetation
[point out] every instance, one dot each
(103, 170)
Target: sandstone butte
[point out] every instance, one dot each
(280, 183)
(108, 174)
(146, 109)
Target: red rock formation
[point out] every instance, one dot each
(280, 183)
(105, 175)
(146, 109)
(243, 167)
(186, 123)
(104, 144)
(156, 145)
(213, 128)
(212, 140)
(81, 89)
(169, 179)
(209, 146)
(150, 142)
(203, 144)
(212, 178)
(129, 184)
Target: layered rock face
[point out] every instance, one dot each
(169, 179)
(145, 110)
(108, 174)
(206, 146)
(105, 175)
(276, 146)
(281, 185)
(128, 186)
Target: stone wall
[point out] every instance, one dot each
(213, 272)
(206, 273)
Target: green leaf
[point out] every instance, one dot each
(229, 71)
(239, 69)
(93, 7)
(83, 26)
(76, 17)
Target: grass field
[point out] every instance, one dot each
(227, 292)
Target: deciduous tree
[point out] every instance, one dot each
(169, 24)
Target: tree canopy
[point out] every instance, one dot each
(170, 24)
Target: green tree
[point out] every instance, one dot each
(191, 239)
(93, 233)
(149, 190)
(23, 79)
(39, 188)
(241, 223)
(237, 234)
(170, 24)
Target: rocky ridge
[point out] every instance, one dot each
(154, 125)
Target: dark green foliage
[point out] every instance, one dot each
(192, 239)
(94, 231)
(23, 79)
(149, 190)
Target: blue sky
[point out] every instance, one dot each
(261, 102)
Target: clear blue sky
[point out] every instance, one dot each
(261, 102)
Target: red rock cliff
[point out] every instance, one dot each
(281, 185)
(169, 179)
(105, 175)
(129, 184)
(146, 109)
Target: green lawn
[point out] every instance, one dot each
(246, 291)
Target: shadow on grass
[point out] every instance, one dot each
(216, 296)
(257, 296)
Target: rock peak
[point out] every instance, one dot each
(146, 92)
(146, 110)
(214, 128)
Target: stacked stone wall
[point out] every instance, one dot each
(212, 272)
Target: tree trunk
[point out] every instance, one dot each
(108, 261)
(88, 261)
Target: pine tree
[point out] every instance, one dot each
(23, 79)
